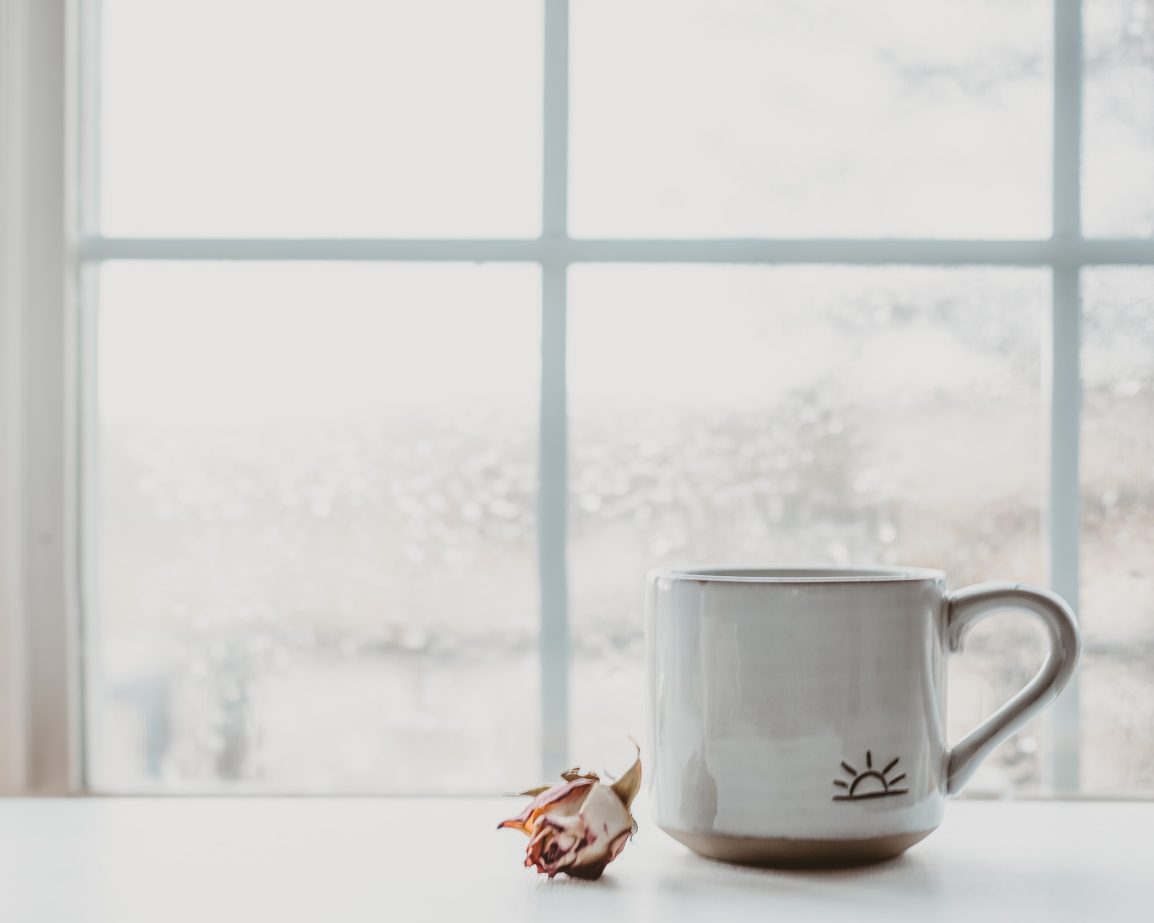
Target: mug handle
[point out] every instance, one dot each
(968, 606)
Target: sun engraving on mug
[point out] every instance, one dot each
(870, 782)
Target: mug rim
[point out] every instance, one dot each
(800, 574)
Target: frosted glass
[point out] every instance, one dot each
(313, 528)
(751, 415)
(310, 119)
(1118, 118)
(1118, 530)
(811, 118)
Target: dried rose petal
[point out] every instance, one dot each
(561, 800)
(579, 826)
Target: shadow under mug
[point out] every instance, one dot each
(796, 716)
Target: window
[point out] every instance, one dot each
(385, 311)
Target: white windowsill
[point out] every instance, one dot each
(100, 860)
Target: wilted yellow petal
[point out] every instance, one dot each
(627, 787)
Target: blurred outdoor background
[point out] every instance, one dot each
(311, 518)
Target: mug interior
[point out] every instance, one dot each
(800, 574)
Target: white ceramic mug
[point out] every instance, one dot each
(796, 716)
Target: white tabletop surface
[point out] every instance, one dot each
(112, 860)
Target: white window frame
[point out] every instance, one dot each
(40, 748)
(45, 120)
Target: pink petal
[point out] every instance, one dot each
(564, 799)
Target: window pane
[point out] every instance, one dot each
(1118, 135)
(342, 117)
(752, 415)
(313, 527)
(836, 117)
(1118, 530)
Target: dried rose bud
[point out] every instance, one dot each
(580, 825)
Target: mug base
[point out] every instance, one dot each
(788, 852)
